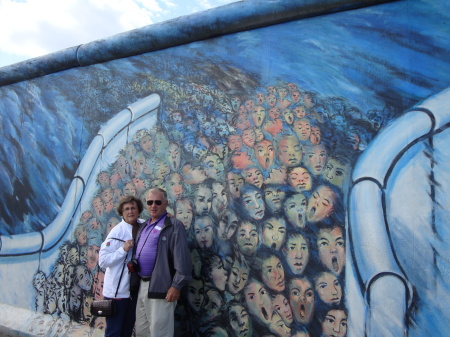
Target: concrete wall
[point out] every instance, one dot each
(308, 137)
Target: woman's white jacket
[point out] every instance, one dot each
(112, 257)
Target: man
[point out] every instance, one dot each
(165, 267)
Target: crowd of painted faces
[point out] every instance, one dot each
(258, 183)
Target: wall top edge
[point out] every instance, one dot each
(232, 18)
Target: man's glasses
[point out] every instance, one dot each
(150, 202)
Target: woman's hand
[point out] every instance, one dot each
(128, 245)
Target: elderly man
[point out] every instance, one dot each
(165, 267)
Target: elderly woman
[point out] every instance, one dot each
(115, 250)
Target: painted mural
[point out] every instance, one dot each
(258, 180)
(255, 149)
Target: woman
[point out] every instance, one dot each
(115, 252)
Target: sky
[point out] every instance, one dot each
(32, 28)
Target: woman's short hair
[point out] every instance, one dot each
(129, 199)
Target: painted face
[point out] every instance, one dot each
(290, 151)
(118, 194)
(272, 274)
(235, 143)
(271, 100)
(235, 183)
(335, 172)
(316, 135)
(196, 263)
(59, 274)
(202, 200)
(184, 212)
(146, 144)
(254, 176)
(130, 212)
(196, 294)
(81, 235)
(299, 112)
(199, 151)
(249, 137)
(75, 298)
(301, 299)
(93, 223)
(292, 87)
(138, 164)
(73, 257)
(302, 129)
(174, 186)
(315, 158)
(242, 122)
(328, 288)
(103, 179)
(288, 116)
(109, 205)
(260, 98)
(83, 277)
(92, 256)
(214, 303)
(112, 222)
(219, 199)
(265, 153)
(300, 179)
(129, 189)
(296, 252)
(161, 141)
(274, 112)
(271, 90)
(281, 306)
(219, 275)
(274, 233)
(176, 117)
(296, 96)
(247, 238)
(331, 247)
(204, 233)
(295, 209)
(258, 301)
(174, 157)
(235, 103)
(335, 324)
(259, 135)
(249, 105)
(97, 286)
(282, 92)
(274, 197)
(227, 225)
(193, 175)
(321, 204)
(254, 204)
(239, 321)
(100, 323)
(213, 167)
(278, 326)
(238, 277)
(123, 166)
(99, 207)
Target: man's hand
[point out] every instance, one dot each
(172, 295)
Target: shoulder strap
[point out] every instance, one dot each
(121, 274)
(117, 239)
